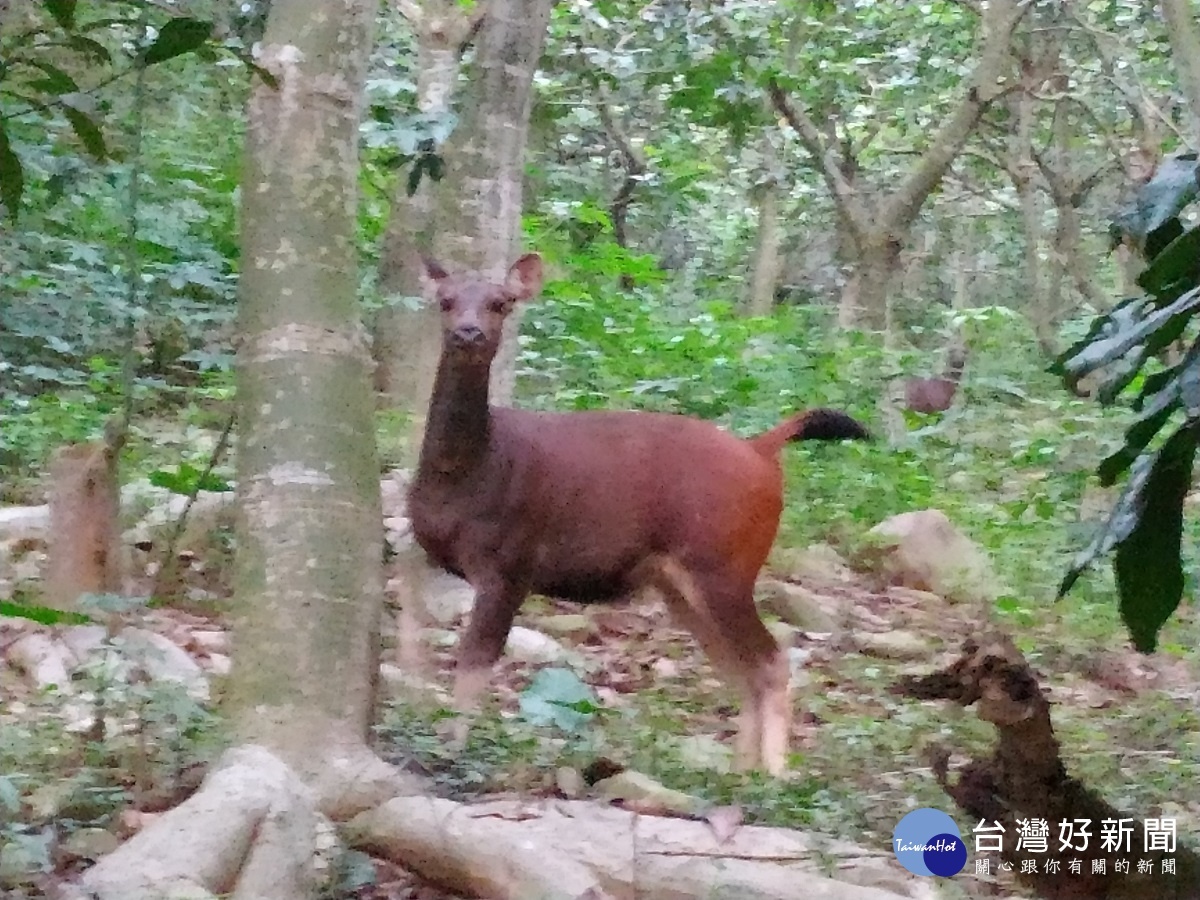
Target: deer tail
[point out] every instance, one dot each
(811, 425)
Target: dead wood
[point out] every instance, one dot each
(1025, 779)
(574, 849)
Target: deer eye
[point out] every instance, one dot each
(498, 306)
(447, 304)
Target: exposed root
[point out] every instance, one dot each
(1026, 779)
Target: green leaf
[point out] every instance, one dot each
(87, 131)
(42, 614)
(1148, 564)
(177, 37)
(12, 176)
(1130, 326)
(1175, 268)
(557, 697)
(187, 480)
(63, 12)
(88, 47)
(56, 81)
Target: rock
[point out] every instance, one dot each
(446, 598)
(23, 522)
(219, 664)
(798, 658)
(704, 752)
(163, 660)
(89, 843)
(569, 782)
(566, 625)
(923, 550)
(45, 661)
(818, 563)
(797, 606)
(83, 640)
(902, 645)
(211, 641)
(531, 646)
(645, 794)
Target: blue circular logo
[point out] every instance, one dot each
(927, 842)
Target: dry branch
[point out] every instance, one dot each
(1026, 779)
(572, 849)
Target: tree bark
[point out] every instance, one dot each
(765, 268)
(407, 339)
(308, 573)
(879, 229)
(480, 217)
(1185, 51)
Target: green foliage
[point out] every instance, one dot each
(187, 480)
(42, 614)
(1145, 527)
(557, 697)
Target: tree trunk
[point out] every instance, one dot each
(407, 340)
(765, 270)
(1185, 52)
(308, 574)
(480, 216)
(880, 228)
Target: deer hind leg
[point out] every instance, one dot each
(723, 619)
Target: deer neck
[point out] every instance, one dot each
(459, 423)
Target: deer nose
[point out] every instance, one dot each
(468, 335)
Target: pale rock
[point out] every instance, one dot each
(446, 598)
(924, 550)
(797, 606)
(45, 661)
(211, 641)
(819, 563)
(899, 645)
(569, 782)
(531, 646)
(164, 660)
(89, 843)
(410, 688)
(24, 522)
(566, 624)
(783, 632)
(219, 664)
(83, 640)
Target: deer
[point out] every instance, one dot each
(935, 395)
(594, 506)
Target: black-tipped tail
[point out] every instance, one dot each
(828, 425)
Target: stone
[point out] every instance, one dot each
(214, 641)
(566, 625)
(899, 645)
(164, 660)
(446, 598)
(797, 606)
(531, 646)
(83, 640)
(647, 794)
(46, 662)
(923, 550)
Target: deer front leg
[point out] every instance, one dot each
(480, 647)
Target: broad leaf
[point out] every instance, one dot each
(63, 12)
(1148, 564)
(1175, 269)
(1131, 326)
(557, 697)
(87, 131)
(12, 176)
(177, 37)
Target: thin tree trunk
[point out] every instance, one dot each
(407, 339)
(1185, 51)
(480, 219)
(308, 574)
(767, 261)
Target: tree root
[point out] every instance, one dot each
(1025, 779)
(576, 849)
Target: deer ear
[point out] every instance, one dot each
(433, 268)
(525, 277)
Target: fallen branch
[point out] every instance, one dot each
(571, 849)
(1025, 779)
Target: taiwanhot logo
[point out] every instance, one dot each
(927, 842)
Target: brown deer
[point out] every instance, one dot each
(594, 506)
(934, 395)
